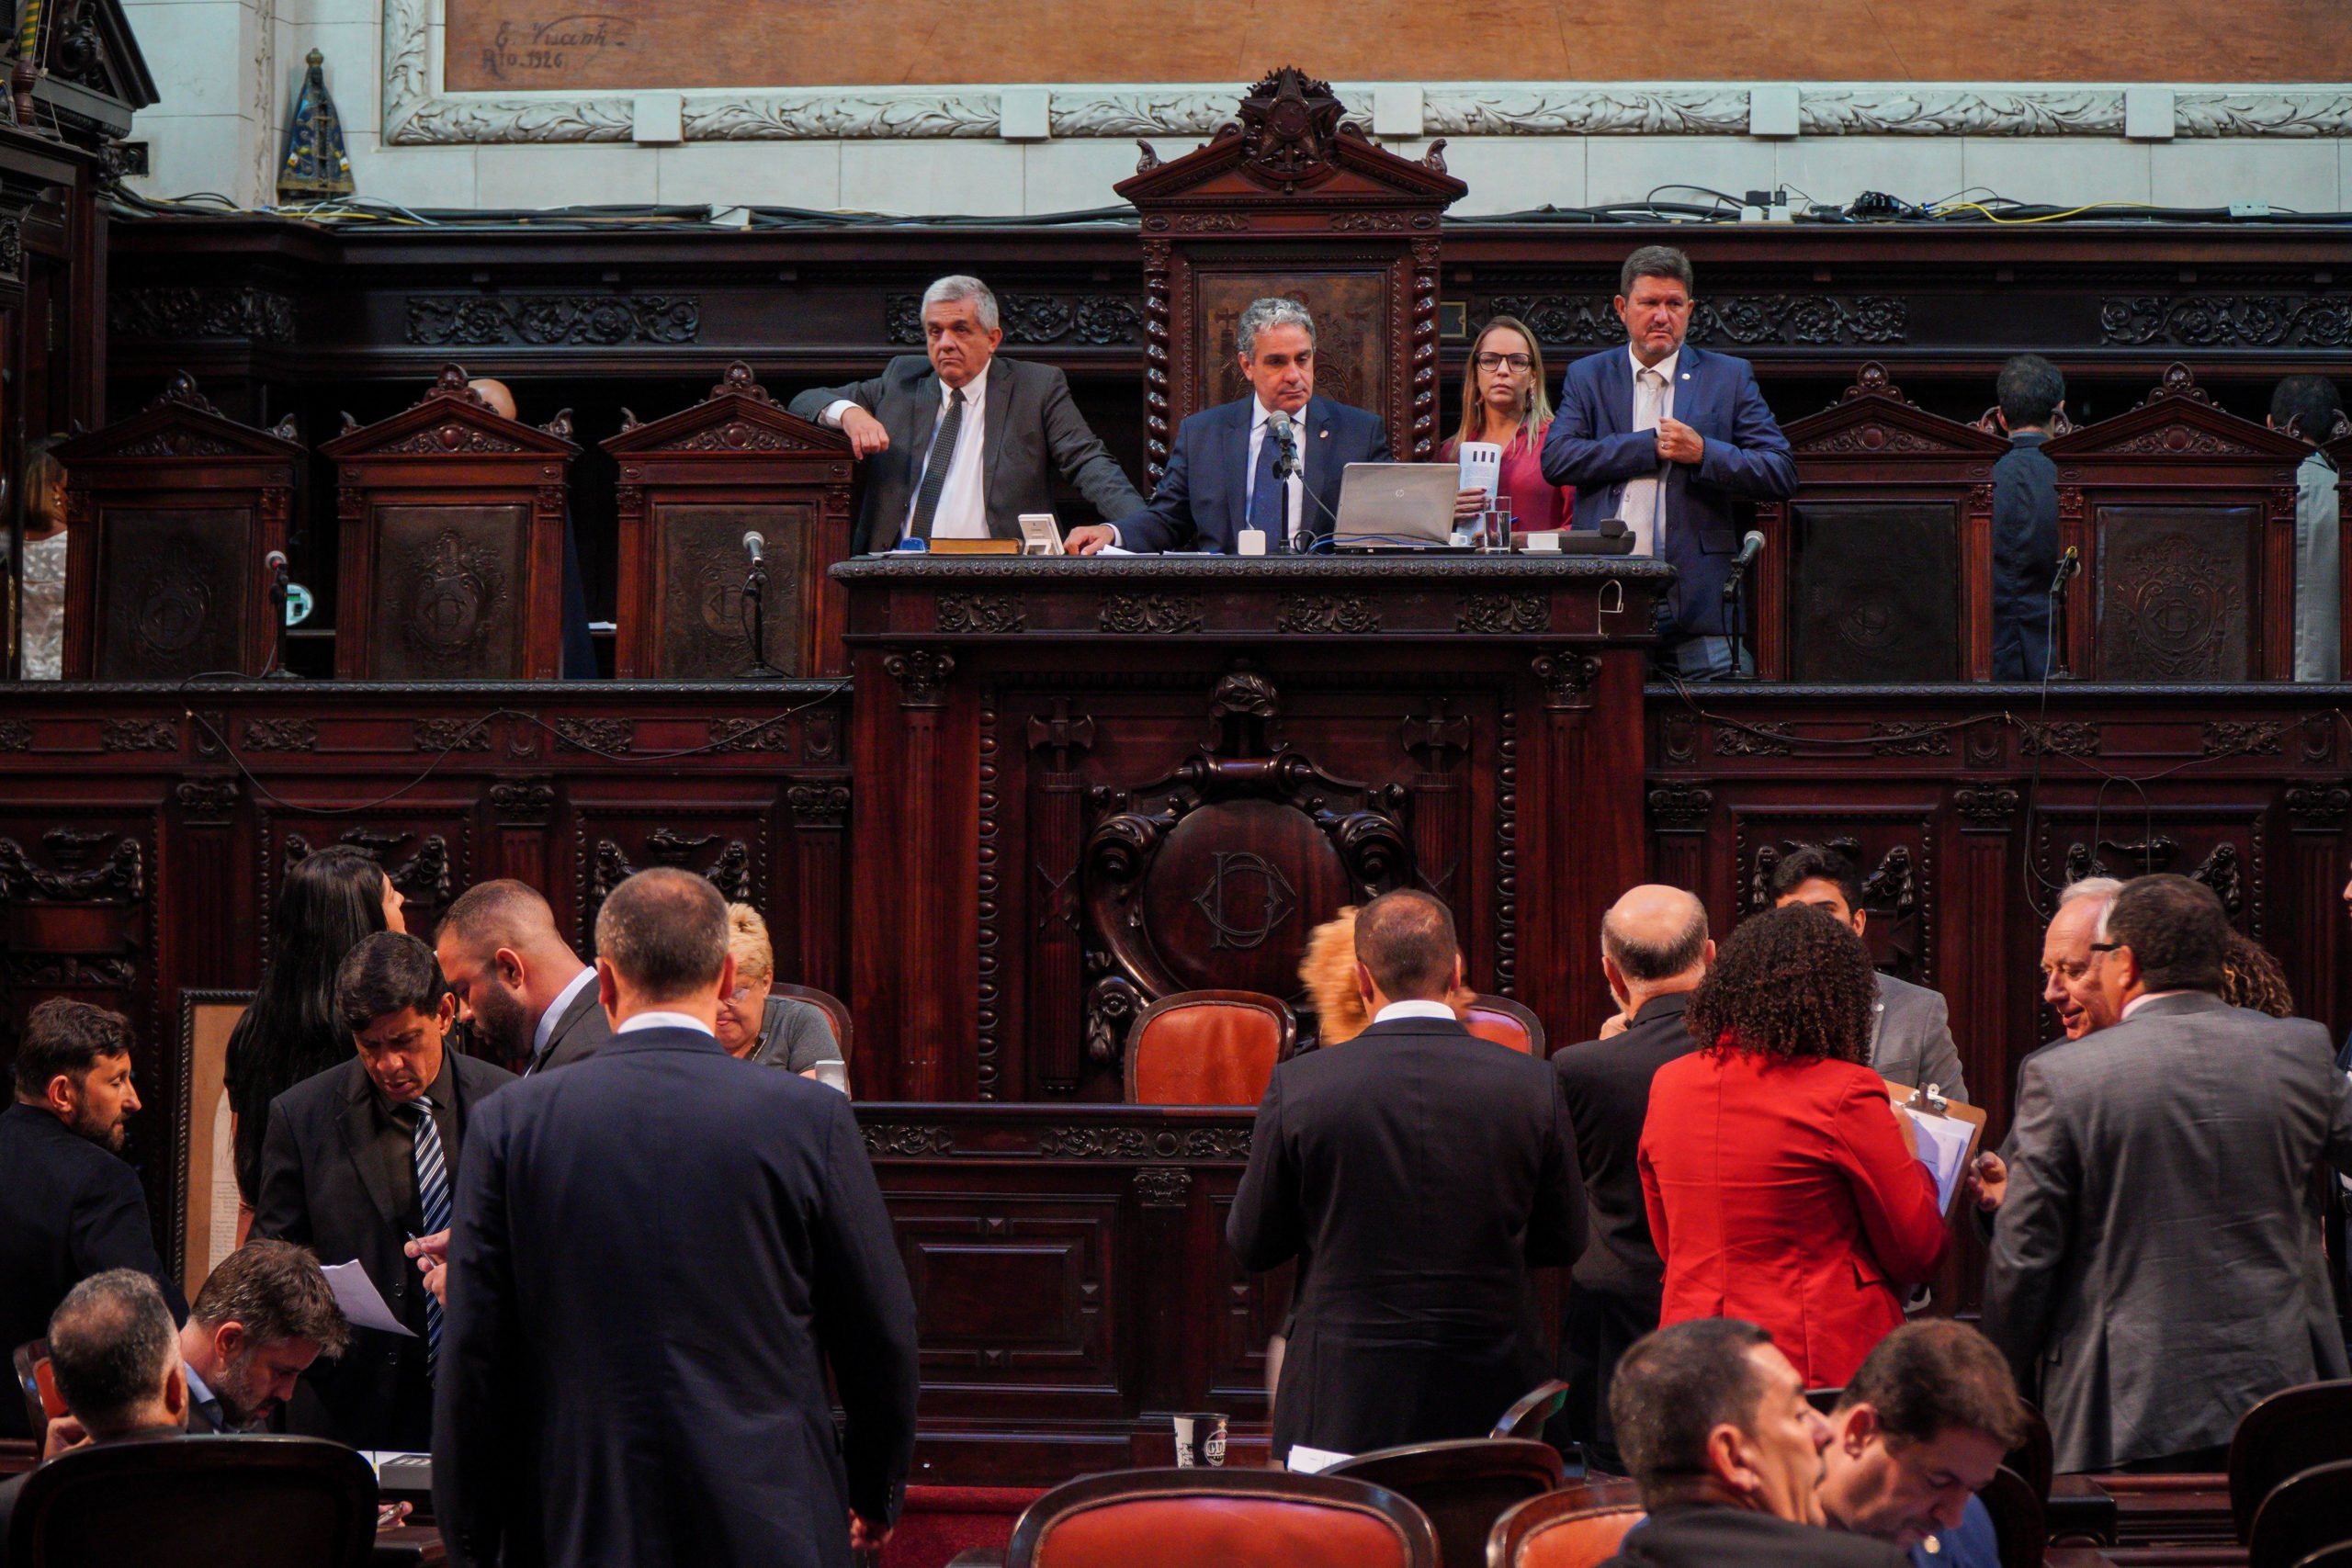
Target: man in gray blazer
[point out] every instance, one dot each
(1911, 1030)
(956, 443)
(2156, 1268)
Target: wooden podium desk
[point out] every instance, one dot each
(1086, 784)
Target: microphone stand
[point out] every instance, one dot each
(2067, 565)
(755, 583)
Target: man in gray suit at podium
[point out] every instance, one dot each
(958, 443)
(1911, 1028)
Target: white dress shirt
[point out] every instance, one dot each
(1643, 506)
(962, 506)
(547, 1019)
(663, 1021)
(1414, 1009)
(1294, 485)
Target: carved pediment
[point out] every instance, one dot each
(739, 416)
(1293, 138)
(180, 422)
(92, 78)
(1874, 419)
(452, 420)
(2177, 420)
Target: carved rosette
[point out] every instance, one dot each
(449, 734)
(1499, 615)
(1160, 614)
(1755, 740)
(1932, 740)
(904, 1141)
(139, 735)
(921, 674)
(2230, 738)
(1352, 614)
(1985, 807)
(774, 735)
(1681, 807)
(1083, 1141)
(603, 737)
(973, 613)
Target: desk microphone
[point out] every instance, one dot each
(1286, 461)
(755, 543)
(1750, 548)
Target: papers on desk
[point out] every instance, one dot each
(363, 1305)
(1304, 1461)
(1943, 1149)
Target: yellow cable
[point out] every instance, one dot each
(2044, 217)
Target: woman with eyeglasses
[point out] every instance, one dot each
(755, 1024)
(1503, 402)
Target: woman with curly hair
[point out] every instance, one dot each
(1781, 1186)
(2252, 979)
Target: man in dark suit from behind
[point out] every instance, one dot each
(657, 1253)
(1417, 1173)
(264, 1316)
(531, 1001)
(68, 1206)
(360, 1158)
(959, 442)
(2156, 1266)
(116, 1358)
(1714, 1423)
(1654, 950)
(1271, 461)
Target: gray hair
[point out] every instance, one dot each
(955, 288)
(1264, 313)
(2103, 888)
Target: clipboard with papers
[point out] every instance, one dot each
(1950, 1135)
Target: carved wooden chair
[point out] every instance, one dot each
(257, 1502)
(1236, 1519)
(836, 1010)
(2309, 1512)
(1506, 1022)
(1208, 1048)
(2018, 1524)
(1561, 1529)
(2285, 1433)
(1532, 1411)
(1463, 1486)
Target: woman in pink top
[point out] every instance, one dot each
(1781, 1185)
(1503, 402)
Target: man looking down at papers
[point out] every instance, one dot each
(364, 1157)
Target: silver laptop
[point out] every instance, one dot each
(1397, 505)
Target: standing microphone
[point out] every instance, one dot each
(1750, 548)
(2068, 564)
(755, 543)
(275, 564)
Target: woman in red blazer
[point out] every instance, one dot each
(1782, 1187)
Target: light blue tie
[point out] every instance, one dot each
(432, 1200)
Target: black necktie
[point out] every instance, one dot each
(935, 472)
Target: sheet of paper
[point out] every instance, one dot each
(1304, 1461)
(1943, 1149)
(1482, 467)
(363, 1305)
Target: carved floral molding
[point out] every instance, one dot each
(417, 113)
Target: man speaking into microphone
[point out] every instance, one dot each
(1672, 439)
(1271, 461)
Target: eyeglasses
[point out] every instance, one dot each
(1497, 361)
(2104, 946)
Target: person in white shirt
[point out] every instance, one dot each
(957, 443)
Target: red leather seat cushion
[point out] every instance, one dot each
(1229, 1532)
(1500, 1028)
(1577, 1542)
(1209, 1054)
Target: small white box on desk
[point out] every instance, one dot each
(1252, 542)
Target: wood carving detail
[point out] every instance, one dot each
(549, 321)
(70, 877)
(281, 735)
(1156, 614)
(139, 735)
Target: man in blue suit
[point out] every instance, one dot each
(1234, 466)
(1665, 437)
(658, 1251)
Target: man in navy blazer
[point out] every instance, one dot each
(658, 1250)
(1670, 453)
(1231, 468)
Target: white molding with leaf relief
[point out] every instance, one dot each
(417, 113)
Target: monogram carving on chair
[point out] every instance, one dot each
(175, 604)
(2179, 608)
(453, 590)
(1212, 877)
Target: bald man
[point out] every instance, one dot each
(1654, 950)
(532, 1001)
